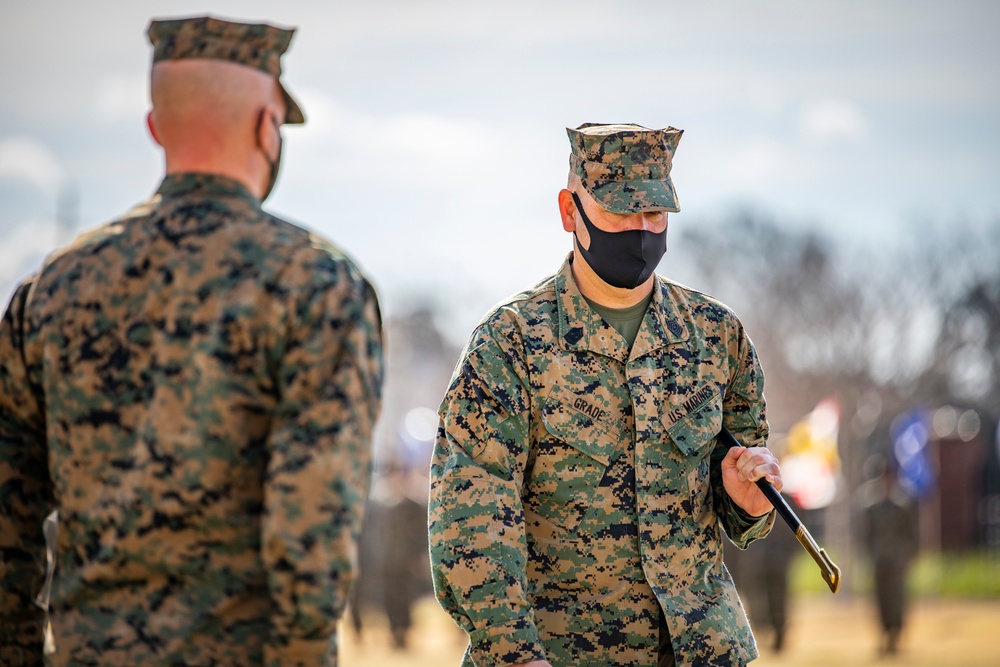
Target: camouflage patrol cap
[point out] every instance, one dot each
(256, 45)
(625, 167)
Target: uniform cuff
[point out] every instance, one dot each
(512, 643)
(748, 528)
(301, 653)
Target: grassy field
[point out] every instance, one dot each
(967, 576)
(825, 631)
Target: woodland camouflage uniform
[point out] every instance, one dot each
(194, 388)
(576, 493)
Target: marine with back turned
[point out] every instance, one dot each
(194, 388)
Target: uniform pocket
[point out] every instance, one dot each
(697, 430)
(694, 435)
(570, 460)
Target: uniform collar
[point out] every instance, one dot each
(582, 329)
(663, 324)
(203, 185)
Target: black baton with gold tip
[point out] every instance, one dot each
(829, 570)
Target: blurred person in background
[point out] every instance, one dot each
(891, 540)
(578, 491)
(193, 387)
(394, 572)
(405, 571)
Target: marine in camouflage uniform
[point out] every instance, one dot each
(193, 387)
(577, 494)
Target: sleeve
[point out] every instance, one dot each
(25, 495)
(744, 415)
(476, 525)
(330, 377)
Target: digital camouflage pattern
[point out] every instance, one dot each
(625, 167)
(576, 486)
(256, 45)
(194, 388)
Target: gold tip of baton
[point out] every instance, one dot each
(829, 569)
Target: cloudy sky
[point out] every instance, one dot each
(435, 141)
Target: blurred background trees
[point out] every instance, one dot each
(904, 341)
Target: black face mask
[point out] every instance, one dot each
(622, 259)
(273, 165)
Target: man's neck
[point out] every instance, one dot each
(595, 289)
(238, 170)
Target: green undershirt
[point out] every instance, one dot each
(626, 321)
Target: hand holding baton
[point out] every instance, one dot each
(829, 570)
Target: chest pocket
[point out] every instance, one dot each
(694, 435)
(698, 428)
(570, 459)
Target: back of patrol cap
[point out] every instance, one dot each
(625, 167)
(256, 45)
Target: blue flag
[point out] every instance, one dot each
(910, 435)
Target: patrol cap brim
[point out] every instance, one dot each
(634, 196)
(293, 112)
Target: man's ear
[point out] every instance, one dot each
(268, 130)
(151, 126)
(567, 210)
